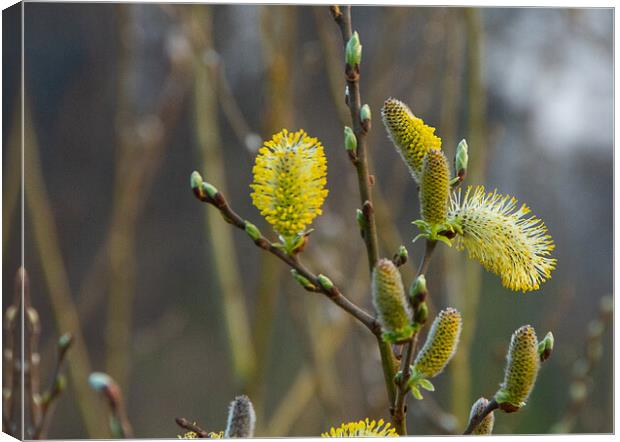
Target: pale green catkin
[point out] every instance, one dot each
(522, 364)
(388, 297)
(440, 345)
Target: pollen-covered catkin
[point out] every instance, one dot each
(499, 234)
(388, 297)
(522, 364)
(411, 137)
(434, 187)
(440, 345)
(289, 181)
(241, 418)
(486, 425)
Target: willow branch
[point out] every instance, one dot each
(402, 387)
(55, 389)
(333, 293)
(342, 17)
(191, 426)
(10, 375)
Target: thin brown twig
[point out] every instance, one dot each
(333, 293)
(55, 389)
(11, 378)
(402, 387)
(32, 330)
(191, 426)
(342, 17)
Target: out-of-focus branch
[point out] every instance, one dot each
(219, 239)
(582, 371)
(11, 356)
(65, 313)
(56, 387)
(141, 143)
(193, 427)
(303, 389)
(111, 392)
(12, 182)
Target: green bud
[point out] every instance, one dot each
(209, 189)
(354, 50)
(350, 141)
(65, 341)
(461, 158)
(361, 219)
(325, 282)
(195, 180)
(99, 381)
(486, 425)
(421, 314)
(402, 255)
(522, 364)
(388, 297)
(545, 347)
(241, 419)
(252, 231)
(418, 290)
(302, 280)
(365, 113)
(59, 384)
(440, 345)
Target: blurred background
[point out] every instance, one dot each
(124, 101)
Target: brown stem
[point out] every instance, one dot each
(191, 426)
(402, 387)
(475, 420)
(54, 391)
(333, 293)
(342, 17)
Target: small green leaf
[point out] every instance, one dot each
(426, 384)
(415, 392)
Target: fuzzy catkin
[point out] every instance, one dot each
(440, 345)
(434, 187)
(485, 426)
(241, 418)
(388, 297)
(411, 137)
(522, 364)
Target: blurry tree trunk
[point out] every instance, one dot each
(39, 215)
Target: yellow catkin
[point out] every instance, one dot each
(485, 427)
(388, 297)
(289, 181)
(497, 232)
(363, 428)
(440, 345)
(411, 137)
(434, 187)
(522, 364)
